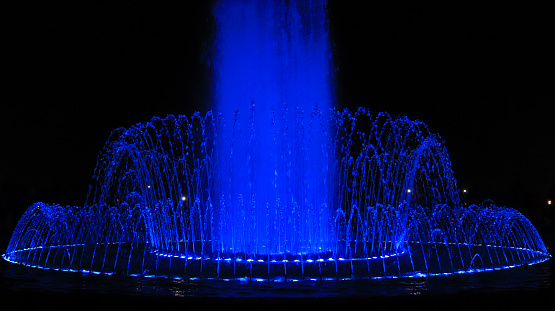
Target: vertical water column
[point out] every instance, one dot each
(272, 95)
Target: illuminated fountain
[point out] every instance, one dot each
(275, 183)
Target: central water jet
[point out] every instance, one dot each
(272, 92)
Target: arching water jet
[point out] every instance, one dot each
(274, 183)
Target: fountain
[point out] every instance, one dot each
(274, 183)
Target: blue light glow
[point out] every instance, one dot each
(274, 184)
(272, 76)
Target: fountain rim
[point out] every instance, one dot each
(541, 257)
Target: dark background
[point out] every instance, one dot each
(480, 74)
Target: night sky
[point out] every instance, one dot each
(479, 74)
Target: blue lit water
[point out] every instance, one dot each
(272, 93)
(527, 286)
(153, 211)
(274, 192)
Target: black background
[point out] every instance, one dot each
(481, 74)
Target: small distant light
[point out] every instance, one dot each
(408, 190)
(183, 198)
(548, 202)
(148, 186)
(464, 190)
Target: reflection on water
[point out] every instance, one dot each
(523, 288)
(19, 279)
(415, 286)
